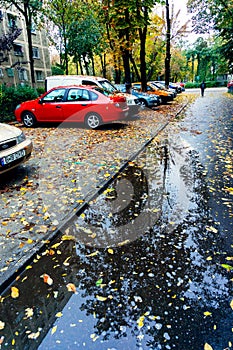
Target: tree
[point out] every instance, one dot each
(30, 10)
(217, 16)
(6, 43)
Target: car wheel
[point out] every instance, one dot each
(28, 119)
(142, 103)
(93, 120)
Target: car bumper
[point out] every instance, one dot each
(15, 156)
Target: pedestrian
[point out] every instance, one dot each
(202, 87)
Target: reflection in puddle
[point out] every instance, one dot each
(144, 262)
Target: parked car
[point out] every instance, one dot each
(15, 148)
(162, 87)
(172, 86)
(182, 85)
(66, 80)
(153, 90)
(144, 99)
(81, 104)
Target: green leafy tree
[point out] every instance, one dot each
(85, 38)
(215, 15)
(30, 10)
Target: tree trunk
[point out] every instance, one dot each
(28, 22)
(168, 46)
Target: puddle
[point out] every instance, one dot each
(140, 268)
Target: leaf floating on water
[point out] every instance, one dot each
(207, 347)
(34, 335)
(93, 254)
(231, 304)
(71, 287)
(110, 251)
(207, 313)
(68, 238)
(54, 329)
(2, 325)
(228, 267)
(47, 279)
(28, 312)
(14, 292)
(99, 282)
(100, 298)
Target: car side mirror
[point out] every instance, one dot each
(40, 101)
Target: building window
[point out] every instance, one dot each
(11, 20)
(18, 49)
(1, 73)
(23, 74)
(10, 72)
(39, 75)
(36, 53)
(33, 28)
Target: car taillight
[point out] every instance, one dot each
(117, 98)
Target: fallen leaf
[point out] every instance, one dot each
(207, 347)
(2, 325)
(100, 298)
(47, 279)
(14, 292)
(71, 287)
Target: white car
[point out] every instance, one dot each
(15, 148)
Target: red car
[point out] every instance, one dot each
(83, 104)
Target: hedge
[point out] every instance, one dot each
(211, 83)
(11, 96)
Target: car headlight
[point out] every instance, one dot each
(21, 138)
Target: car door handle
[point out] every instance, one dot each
(58, 106)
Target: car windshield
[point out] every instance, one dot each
(108, 86)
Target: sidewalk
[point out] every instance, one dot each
(64, 174)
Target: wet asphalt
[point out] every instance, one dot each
(147, 265)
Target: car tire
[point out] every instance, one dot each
(28, 119)
(143, 103)
(93, 120)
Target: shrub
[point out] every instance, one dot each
(11, 96)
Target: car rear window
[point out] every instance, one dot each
(93, 96)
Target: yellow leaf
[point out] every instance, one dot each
(68, 238)
(100, 298)
(209, 258)
(207, 313)
(28, 312)
(207, 347)
(140, 321)
(93, 254)
(53, 330)
(2, 325)
(29, 241)
(59, 314)
(14, 292)
(211, 229)
(110, 251)
(231, 304)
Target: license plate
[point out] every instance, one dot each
(12, 157)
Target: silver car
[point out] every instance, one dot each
(15, 148)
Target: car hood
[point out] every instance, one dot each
(8, 132)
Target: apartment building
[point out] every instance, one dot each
(15, 69)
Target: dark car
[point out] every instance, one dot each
(144, 99)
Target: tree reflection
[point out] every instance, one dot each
(162, 289)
